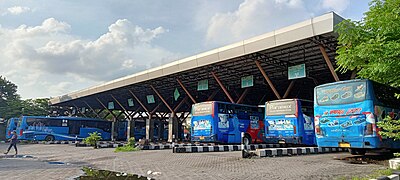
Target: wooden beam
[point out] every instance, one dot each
(184, 88)
(268, 80)
(112, 114)
(180, 103)
(328, 62)
(77, 108)
(211, 97)
(162, 99)
(222, 87)
(241, 98)
(138, 100)
(87, 104)
(288, 89)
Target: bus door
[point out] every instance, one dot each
(74, 127)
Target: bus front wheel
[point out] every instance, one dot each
(49, 138)
(246, 140)
(357, 151)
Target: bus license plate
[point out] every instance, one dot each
(201, 137)
(344, 145)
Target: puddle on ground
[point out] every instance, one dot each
(105, 174)
(56, 163)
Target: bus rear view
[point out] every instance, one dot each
(344, 116)
(288, 121)
(202, 120)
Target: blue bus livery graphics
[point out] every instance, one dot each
(11, 126)
(223, 122)
(346, 113)
(61, 128)
(289, 121)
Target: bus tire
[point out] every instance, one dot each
(246, 140)
(49, 138)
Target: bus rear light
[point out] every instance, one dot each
(21, 132)
(369, 129)
(318, 130)
(294, 129)
(9, 133)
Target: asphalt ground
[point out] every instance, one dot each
(66, 161)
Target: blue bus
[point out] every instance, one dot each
(61, 128)
(11, 126)
(346, 114)
(222, 122)
(289, 121)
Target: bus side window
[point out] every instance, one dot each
(221, 108)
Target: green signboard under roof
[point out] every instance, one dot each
(111, 105)
(298, 71)
(176, 94)
(130, 102)
(202, 85)
(150, 99)
(247, 81)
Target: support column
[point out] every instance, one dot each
(160, 130)
(149, 128)
(222, 87)
(187, 92)
(268, 80)
(288, 89)
(241, 98)
(92, 109)
(328, 62)
(171, 127)
(128, 130)
(113, 130)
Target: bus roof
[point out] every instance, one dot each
(341, 82)
(283, 100)
(223, 102)
(66, 117)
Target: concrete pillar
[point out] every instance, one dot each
(149, 129)
(160, 130)
(176, 128)
(128, 130)
(133, 127)
(171, 127)
(113, 130)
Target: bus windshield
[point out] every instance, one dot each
(343, 93)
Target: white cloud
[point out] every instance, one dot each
(34, 56)
(16, 10)
(335, 5)
(254, 17)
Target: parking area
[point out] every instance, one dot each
(213, 165)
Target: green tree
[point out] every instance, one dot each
(36, 107)
(9, 99)
(372, 46)
(11, 104)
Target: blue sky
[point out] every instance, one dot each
(49, 48)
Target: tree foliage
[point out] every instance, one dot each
(372, 46)
(11, 104)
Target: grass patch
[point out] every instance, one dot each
(94, 174)
(126, 149)
(374, 175)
